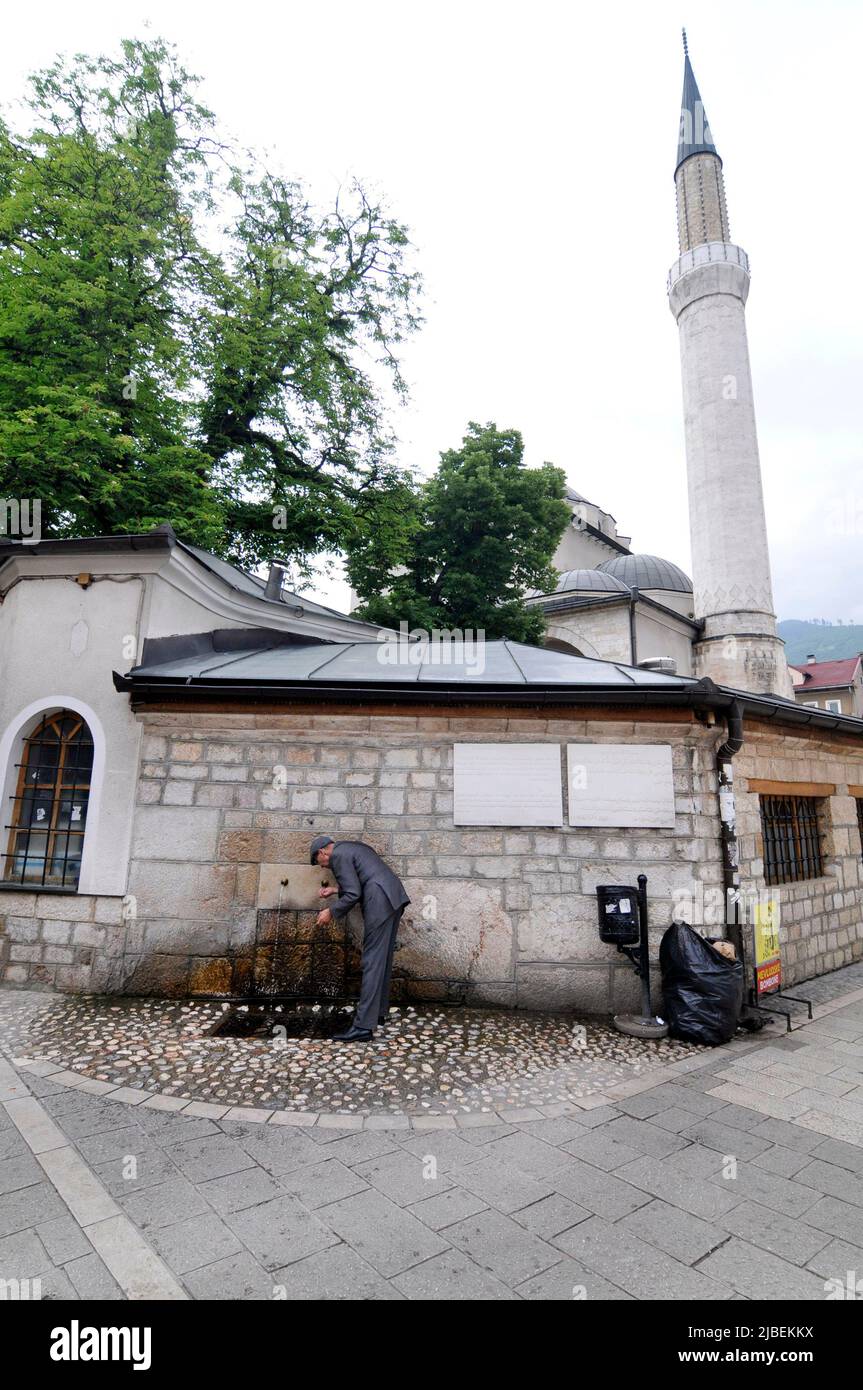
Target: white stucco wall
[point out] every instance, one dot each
(578, 549)
(61, 640)
(657, 636)
(59, 644)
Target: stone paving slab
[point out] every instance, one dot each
(282, 1230)
(318, 1184)
(570, 1281)
(388, 1238)
(836, 1258)
(786, 1163)
(603, 1194)
(837, 1218)
(452, 1276)
(685, 1237)
(501, 1185)
(790, 1239)
(640, 1269)
(237, 1277)
(447, 1208)
(757, 1274)
(336, 1273)
(502, 1247)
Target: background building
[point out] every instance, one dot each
(831, 685)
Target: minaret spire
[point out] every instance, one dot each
(694, 136)
(702, 215)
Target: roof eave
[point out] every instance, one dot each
(698, 695)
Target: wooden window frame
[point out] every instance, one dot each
(61, 789)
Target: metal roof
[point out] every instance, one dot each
(252, 584)
(648, 572)
(391, 663)
(694, 136)
(591, 581)
(455, 672)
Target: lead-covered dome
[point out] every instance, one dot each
(647, 572)
(592, 581)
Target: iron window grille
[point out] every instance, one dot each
(860, 822)
(49, 807)
(792, 838)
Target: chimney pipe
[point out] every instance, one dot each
(275, 580)
(810, 658)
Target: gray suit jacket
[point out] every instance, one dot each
(364, 878)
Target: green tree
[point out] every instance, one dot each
(473, 540)
(183, 337)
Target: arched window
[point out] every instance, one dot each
(49, 805)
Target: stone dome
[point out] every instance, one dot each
(593, 581)
(647, 572)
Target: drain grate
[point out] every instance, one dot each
(265, 1022)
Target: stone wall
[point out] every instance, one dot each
(821, 918)
(65, 941)
(228, 803)
(504, 916)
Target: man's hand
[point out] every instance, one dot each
(324, 918)
(327, 892)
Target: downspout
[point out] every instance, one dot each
(633, 644)
(728, 826)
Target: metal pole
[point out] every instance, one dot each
(644, 949)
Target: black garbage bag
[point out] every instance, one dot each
(703, 991)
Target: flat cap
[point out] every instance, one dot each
(319, 842)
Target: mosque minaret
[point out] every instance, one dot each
(707, 290)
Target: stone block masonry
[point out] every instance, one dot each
(227, 804)
(499, 916)
(821, 919)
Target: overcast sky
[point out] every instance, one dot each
(530, 148)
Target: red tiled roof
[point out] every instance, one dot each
(817, 675)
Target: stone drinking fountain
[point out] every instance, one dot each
(301, 977)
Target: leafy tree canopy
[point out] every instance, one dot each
(183, 337)
(477, 535)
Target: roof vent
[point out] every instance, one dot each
(811, 658)
(666, 664)
(275, 580)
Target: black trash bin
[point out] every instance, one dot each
(617, 905)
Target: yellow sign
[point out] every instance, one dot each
(768, 960)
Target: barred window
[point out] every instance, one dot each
(792, 840)
(860, 822)
(49, 807)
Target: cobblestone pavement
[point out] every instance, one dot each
(430, 1060)
(734, 1173)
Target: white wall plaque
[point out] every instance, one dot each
(507, 784)
(625, 784)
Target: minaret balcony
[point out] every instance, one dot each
(710, 253)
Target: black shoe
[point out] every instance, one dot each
(353, 1034)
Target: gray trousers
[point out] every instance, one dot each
(379, 944)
